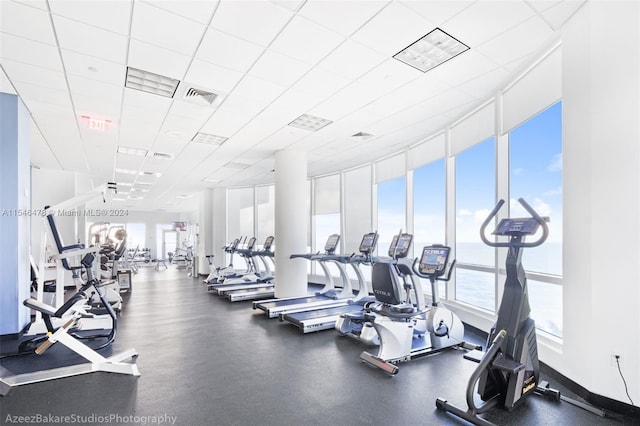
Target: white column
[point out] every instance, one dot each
(601, 159)
(14, 218)
(218, 222)
(205, 230)
(291, 222)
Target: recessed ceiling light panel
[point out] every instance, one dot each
(156, 174)
(149, 82)
(210, 180)
(310, 122)
(126, 172)
(239, 166)
(132, 151)
(162, 156)
(431, 50)
(209, 139)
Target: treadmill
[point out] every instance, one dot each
(317, 319)
(255, 280)
(328, 296)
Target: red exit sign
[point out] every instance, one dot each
(97, 124)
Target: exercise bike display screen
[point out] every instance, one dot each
(368, 243)
(400, 246)
(433, 259)
(526, 226)
(332, 243)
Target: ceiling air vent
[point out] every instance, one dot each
(208, 97)
(198, 95)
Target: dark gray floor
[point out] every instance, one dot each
(205, 361)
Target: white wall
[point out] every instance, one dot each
(601, 138)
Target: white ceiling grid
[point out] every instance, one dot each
(269, 62)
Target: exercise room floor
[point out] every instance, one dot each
(205, 361)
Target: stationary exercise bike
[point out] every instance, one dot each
(408, 328)
(509, 370)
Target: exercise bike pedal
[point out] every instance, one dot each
(507, 365)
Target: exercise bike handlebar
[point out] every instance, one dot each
(534, 215)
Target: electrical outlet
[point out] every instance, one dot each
(614, 359)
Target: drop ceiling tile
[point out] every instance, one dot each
(390, 75)
(41, 154)
(542, 5)
(38, 4)
(393, 29)
(320, 83)
(84, 86)
(143, 117)
(90, 40)
(245, 107)
(225, 123)
(108, 109)
(306, 41)
(352, 97)
(484, 86)
(5, 84)
(161, 28)
(257, 88)
(169, 145)
(180, 127)
(196, 10)
(35, 75)
(14, 19)
(106, 14)
(155, 59)
(30, 92)
(282, 138)
(52, 113)
(136, 136)
(340, 16)
(486, 19)
(517, 42)
(437, 11)
(351, 60)
(228, 51)
(258, 22)
(469, 65)
(189, 110)
(212, 76)
(559, 13)
(101, 70)
(279, 69)
(144, 100)
(30, 52)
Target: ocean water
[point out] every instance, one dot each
(477, 288)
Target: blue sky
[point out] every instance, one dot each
(536, 176)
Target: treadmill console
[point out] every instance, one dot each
(268, 243)
(434, 259)
(400, 246)
(251, 243)
(523, 226)
(368, 243)
(332, 243)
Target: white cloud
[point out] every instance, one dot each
(555, 164)
(464, 212)
(518, 171)
(481, 215)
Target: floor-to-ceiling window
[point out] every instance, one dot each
(392, 210)
(326, 217)
(535, 149)
(429, 209)
(240, 218)
(475, 197)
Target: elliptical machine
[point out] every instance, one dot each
(408, 329)
(509, 370)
